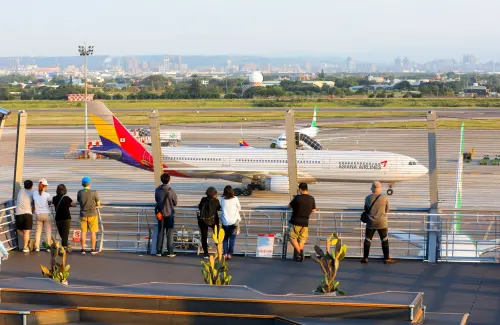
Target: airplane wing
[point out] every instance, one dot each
(330, 139)
(270, 139)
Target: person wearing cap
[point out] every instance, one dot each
(377, 206)
(42, 201)
(89, 203)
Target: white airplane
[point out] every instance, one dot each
(456, 242)
(280, 142)
(264, 169)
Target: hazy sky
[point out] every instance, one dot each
(376, 30)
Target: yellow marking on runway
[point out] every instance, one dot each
(489, 228)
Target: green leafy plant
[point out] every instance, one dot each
(59, 271)
(329, 263)
(215, 270)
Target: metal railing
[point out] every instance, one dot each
(8, 235)
(468, 236)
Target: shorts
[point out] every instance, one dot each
(24, 221)
(298, 233)
(89, 224)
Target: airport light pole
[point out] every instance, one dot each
(85, 51)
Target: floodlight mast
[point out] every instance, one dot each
(85, 51)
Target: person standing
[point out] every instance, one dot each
(89, 203)
(302, 206)
(230, 218)
(166, 200)
(377, 206)
(208, 216)
(62, 205)
(42, 203)
(24, 214)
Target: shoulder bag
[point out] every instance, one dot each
(365, 216)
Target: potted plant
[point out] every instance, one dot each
(329, 263)
(215, 270)
(59, 271)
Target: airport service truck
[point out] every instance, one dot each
(167, 138)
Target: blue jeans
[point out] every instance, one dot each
(168, 227)
(229, 239)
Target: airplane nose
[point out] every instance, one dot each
(423, 170)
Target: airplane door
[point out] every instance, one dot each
(226, 161)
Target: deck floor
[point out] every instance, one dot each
(448, 287)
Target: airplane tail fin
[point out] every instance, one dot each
(313, 123)
(244, 144)
(117, 142)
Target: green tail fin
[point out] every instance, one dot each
(313, 123)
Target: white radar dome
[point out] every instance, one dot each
(256, 77)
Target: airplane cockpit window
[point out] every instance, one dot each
(412, 163)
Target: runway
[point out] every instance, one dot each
(116, 182)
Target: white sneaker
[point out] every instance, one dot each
(37, 250)
(171, 255)
(26, 250)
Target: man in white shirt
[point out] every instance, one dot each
(24, 214)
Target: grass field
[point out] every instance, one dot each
(249, 103)
(446, 124)
(141, 118)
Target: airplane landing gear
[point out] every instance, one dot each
(246, 191)
(390, 191)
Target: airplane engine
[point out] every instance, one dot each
(277, 184)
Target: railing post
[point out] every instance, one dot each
(154, 128)
(22, 119)
(291, 153)
(433, 218)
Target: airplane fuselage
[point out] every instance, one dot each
(280, 142)
(312, 166)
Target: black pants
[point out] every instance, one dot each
(204, 235)
(383, 233)
(165, 226)
(63, 229)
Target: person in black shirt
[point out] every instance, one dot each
(302, 205)
(208, 216)
(62, 203)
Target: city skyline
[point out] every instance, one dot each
(365, 30)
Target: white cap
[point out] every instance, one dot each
(44, 182)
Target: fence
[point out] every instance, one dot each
(466, 237)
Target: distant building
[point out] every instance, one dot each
(351, 65)
(477, 90)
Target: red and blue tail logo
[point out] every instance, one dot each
(244, 144)
(117, 142)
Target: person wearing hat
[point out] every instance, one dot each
(89, 203)
(42, 201)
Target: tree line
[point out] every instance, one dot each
(161, 87)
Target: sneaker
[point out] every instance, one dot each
(94, 251)
(158, 254)
(26, 250)
(37, 250)
(389, 261)
(229, 256)
(83, 252)
(170, 255)
(206, 256)
(364, 260)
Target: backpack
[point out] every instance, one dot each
(205, 214)
(161, 212)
